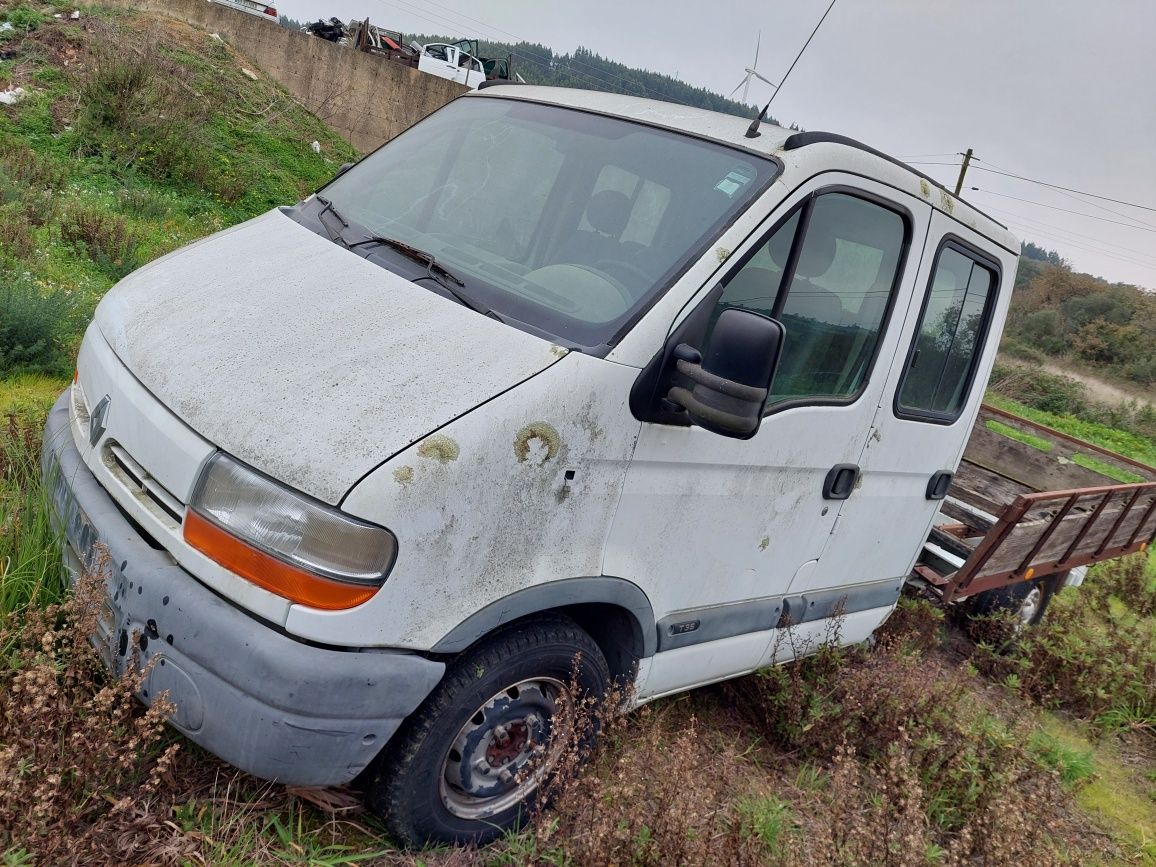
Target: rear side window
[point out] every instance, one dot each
(952, 328)
(831, 289)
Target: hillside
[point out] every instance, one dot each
(136, 135)
(1108, 329)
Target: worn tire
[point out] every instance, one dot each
(405, 785)
(1020, 599)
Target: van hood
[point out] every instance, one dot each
(303, 359)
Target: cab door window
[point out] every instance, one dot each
(828, 274)
(952, 327)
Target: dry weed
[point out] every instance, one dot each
(81, 764)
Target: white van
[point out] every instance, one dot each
(552, 374)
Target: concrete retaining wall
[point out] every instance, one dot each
(367, 99)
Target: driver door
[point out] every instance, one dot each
(716, 529)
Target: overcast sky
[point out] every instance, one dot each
(1062, 91)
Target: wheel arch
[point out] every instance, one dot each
(615, 612)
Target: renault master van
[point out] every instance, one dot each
(555, 390)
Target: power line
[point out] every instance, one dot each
(1067, 189)
(930, 164)
(1065, 210)
(928, 156)
(1095, 205)
(1024, 218)
(1028, 222)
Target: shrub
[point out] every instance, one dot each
(920, 765)
(1041, 390)
(35, 326)
(27, 169)
(1094, 655)
(654, 795)
(16, 238)
(142, 203)
(139, 107)
(23, 19)
(105, 237)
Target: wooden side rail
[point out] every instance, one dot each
(1040, 534)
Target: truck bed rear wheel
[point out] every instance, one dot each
(1026, 601)
(460, 769)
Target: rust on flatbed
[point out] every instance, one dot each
(1041, 525)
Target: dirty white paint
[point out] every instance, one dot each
(500, 515)
(171, 452)
(302, 359)
(459, 433)
(881, 519)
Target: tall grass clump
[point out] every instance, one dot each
(31, 571)
(658, 791)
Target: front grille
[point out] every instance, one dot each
(143, 486)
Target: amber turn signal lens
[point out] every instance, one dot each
(265, 571)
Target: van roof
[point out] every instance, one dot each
(785, 144)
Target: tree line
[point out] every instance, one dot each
(1062, 313)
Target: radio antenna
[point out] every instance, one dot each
(753, 130)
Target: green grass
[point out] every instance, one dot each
(1112, 794)
(1075, 766)
(1018, 435)
(30, 570)
(1105, 469)
(1121, 442)
(767, 818)
(213, 149)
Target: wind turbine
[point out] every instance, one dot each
(752, 72)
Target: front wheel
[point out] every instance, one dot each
(465, 767)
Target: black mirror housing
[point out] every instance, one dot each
(727, 386)
(342, 170)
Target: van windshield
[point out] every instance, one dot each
(569, 222)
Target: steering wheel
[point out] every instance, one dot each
(627, 269)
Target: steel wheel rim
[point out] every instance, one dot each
(490, 765)
(1030, 607)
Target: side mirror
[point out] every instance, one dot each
(344, 168)
(729, 384)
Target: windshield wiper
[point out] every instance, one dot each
(339, 236)
(435, 271)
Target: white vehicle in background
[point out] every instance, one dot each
(552, 375)
(453, 62)
(253, 7)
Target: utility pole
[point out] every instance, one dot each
(962, 172)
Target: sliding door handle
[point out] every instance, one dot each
(938, 484)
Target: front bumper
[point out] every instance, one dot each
(275, 707)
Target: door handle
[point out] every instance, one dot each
(938, 484)
(840, 481)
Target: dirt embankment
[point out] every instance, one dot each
(1099, 390)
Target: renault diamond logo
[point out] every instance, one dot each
(96, 420)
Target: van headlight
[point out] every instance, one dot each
(284, 541)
